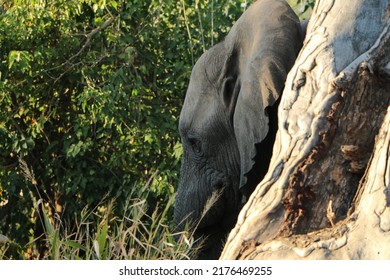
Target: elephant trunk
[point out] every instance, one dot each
(199, 200)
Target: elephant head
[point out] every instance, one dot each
(228, 120)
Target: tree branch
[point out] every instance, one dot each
(88, 36)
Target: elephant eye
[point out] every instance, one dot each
(196, 145)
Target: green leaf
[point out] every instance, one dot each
(101, 238)
(74, 244)
(95, 7)
(55, 243)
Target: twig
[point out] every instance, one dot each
(188, 30)
(89, 37)
(87, 42)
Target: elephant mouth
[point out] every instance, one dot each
(215, 231)
(222, 213)
(213, 237)
(220, 209)
(211, 224)
(214, 208)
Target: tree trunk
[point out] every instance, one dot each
(327, 191)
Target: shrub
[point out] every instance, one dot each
(90, 96)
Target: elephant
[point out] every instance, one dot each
(228, 120)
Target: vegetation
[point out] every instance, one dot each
(90, 96)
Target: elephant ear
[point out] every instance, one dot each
(261, 86)
(264, 66)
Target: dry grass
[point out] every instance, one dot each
(134, 236)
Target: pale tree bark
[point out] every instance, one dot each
(327, 192)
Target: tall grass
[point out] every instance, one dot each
(100, 235)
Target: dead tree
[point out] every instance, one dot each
(327, 191)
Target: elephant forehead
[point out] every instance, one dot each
(207, 70)
(199, 113)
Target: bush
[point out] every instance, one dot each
(90, 95)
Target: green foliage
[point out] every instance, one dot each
(90, 96)
(303, 8)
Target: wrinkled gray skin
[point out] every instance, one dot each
(224, 122)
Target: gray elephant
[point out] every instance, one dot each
(229, 119)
